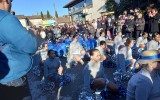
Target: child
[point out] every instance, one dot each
(103, 50)
(76, 51)
(94, 71)
(53, 71)
(124, 55)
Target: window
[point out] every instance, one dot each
(88, 2)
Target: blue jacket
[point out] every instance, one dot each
(16, 48)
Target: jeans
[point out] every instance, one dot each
(138, 33)
(14, 90)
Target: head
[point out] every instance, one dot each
(98, 84)
(95, 55)
(103, 44)
(140, 15)
(156, 37)
(154, 11)
(102, 33)
(145, 35)
(129, 42)
(125, 13)
(51, 54)
(150, 59)
(45, 46)
(75, 37)
(6, 5)
(136, 10)
(119, 33)
(131, 17)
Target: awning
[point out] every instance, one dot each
(107, 13)
(72, 3)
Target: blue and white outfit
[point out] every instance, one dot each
(123, 57)
(92, 71)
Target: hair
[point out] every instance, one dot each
(144, 33)
(75, 36)
(154, 35)
(91, 52)
(101, 32)
(43, 45)
(128, 41)
(140, 14)
(102, 42)
(119, 32)
(49, 51)
(154, 8)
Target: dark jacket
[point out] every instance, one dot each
(147, 23)
(141, 23)
(154, 23)
(129, 25)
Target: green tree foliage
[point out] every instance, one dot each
(132, 4)
(111, 5)
(56, 14)
(42, 17)
(48, 15)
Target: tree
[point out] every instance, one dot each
(42, 17)
(132, 4)
(111, 5)
(48, 15)
(56, 14)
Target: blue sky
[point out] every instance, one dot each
(33, 7)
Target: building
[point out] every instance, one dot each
(62, 20)
(34, 20)
(85, 9)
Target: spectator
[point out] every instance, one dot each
(142, 41)
(154, 18)
(129, 26)
(102, 37)
(154, 44)
(139, 23)
(16, 48)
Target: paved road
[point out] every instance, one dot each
(69, 92)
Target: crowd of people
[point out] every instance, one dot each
(133, 33)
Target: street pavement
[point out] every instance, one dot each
(69, 92)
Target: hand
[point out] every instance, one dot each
(60, 70)
(150, 14)
(108, 50)
(141, 46)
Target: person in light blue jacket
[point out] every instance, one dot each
(16, 48)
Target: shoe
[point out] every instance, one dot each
(74, 63)
(68, 65)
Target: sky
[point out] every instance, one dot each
(34, 7)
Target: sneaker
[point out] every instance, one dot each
(68, 65)
(74, 63)
(82, 62)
